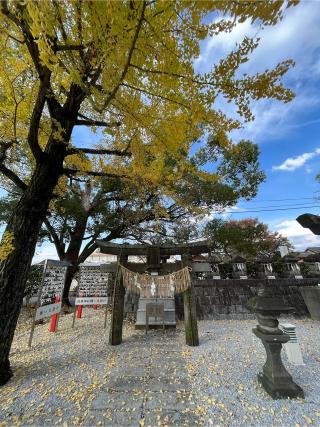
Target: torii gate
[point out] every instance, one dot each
(156, 261)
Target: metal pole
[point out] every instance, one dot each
(32, 331)
(37, 305)
(105, 317)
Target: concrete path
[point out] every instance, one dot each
(148, 385)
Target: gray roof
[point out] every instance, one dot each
(315, 249)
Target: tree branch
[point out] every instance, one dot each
(13, 177)
(35, 119)
(89, 248)
(146, 92)
(69, 171)
(90, 122)
(66, 47)
(122, 153)
(59, 246)
(130, 53)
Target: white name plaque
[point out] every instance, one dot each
(48, 310)
(91, 301)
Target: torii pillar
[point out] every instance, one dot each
(190, 311)
(115, 337)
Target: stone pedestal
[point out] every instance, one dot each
(274, 377)
(311, 296)
(169, 313)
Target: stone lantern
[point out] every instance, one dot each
(264, 268)
(239, 268)
(214, 265)
(274, 377)
(291, 267)
(312, 262)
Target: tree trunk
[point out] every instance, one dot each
(71, 271)
(25, 225)
(72, 256)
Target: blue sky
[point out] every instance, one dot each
(288, 135)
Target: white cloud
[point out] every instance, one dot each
(300, 237)
(275, 120)
(293, 163)
(280, 42)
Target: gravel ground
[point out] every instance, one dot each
(57, 379)
(227, 363)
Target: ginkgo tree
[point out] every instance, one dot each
(126, 67)
(108, 208)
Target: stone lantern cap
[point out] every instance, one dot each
(310, 221)
(238, 259)
(263, 259)
(289, 258)
(267, 303)
(214, 259)
(312, 258)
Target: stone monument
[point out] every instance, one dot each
(274, 377)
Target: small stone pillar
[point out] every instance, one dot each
(274, 377)
(190, 311)
(115, 337)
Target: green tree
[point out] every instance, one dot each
(246, 237)
(126, 67)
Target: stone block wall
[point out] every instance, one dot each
(226, 299)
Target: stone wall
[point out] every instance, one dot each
(226, 299)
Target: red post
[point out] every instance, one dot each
(79, 311)
(95, 306)
(54, 319)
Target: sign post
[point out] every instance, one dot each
(93, 289)
(54, 319)
(79, 311)
(50, 294)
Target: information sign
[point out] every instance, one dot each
(50, 291)
(49, 302)
(93, 289)
(93, 286)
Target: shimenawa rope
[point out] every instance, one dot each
(148, 286)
